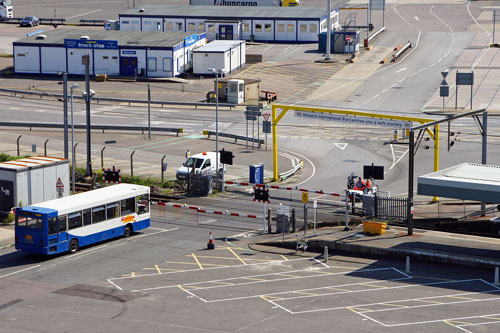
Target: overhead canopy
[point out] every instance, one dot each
(467, 181)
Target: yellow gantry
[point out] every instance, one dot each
(276, 118)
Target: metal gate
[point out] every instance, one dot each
(391, 209)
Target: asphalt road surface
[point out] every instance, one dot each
(164, 279)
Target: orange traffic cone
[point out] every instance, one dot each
(210, 244)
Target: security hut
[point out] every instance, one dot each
(32, 180)
(124, 53)
(227, 55)
(260, 23)
(250, 90)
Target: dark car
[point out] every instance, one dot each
(29, 21)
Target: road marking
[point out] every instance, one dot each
(254, 279)
(400, 70)
(115, 285)
(236, 255)
(74, 16)
(428, 301)
(395, 305)
(341, 146)
(282, 256)
(416, 18)
(197, 261)
(158, 269)
(303, 292)
(151, 234)
(19, 271)
(86, 251)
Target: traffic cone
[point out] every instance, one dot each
(210, 244)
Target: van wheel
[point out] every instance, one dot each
(128, 230)
(73, 246)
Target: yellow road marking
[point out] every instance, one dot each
(461, 297)
(162, 269)
(447, 322)
(356, 310)
(332, 288)
(249, 278)
(228, 283)
(227, 258)
(180, 287)
(282, 256)
(430, 278)
(372, 285)
(293, 276)
(192, 287)
(460, 322)
(303, 292)
(197, 261)
(271, 297)
(490, 317)
(396, 305)
(426, 300)
(180, 262)
(158, 269)
(129, 275)
(237, 256)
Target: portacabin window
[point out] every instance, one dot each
(191, 26)
(169, 26)
(211, 28)
(246, 27)
(201, 26)
(258, 27)
(152, 64)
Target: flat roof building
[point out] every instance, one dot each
(124, 53)
(264, 24)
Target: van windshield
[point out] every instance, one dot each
(197, 162)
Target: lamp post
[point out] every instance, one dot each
(216, 72)
(88, 97)
(73, 164)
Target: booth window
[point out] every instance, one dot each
(281, 27)
(169, 26)
(201, 26)
(158, 26)
(258, 27)
(105, 57)
(303, 27)
(290, 28)
(246, 27)
(191, 26)
(179, 26)
(211, 28)
(268, 27)
(167, 64)
(313, 27)
(152, 64)
(115, 58)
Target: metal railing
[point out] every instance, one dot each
(390, 208)
(291, 172)
(234, 136)
(94, 127)
(120, 100)
(92, 22)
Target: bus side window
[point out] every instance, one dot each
(87, 216)
(53, 226)
(62, 223)
(128, 206)
(142, 204)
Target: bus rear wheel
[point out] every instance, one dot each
(128, 230)
(73, 246)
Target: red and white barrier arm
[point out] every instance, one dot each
(208, 211)
(287, 188)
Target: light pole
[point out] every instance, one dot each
(87, 98)
(73, 164)
(216, 72)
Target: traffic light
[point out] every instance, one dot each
(261, 194)
(226, 157)
(111, 176)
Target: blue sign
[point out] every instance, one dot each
(90, 44)
(34, 33)
(190, 40)
(128, 52)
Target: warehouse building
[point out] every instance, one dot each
(118, 53)
(226, 55)
(263, 24)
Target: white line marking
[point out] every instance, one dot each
(416, 18)
(153, 233)
(377, 95)
(86, 251)
(321, 263)
(94, 11)
(400, 70)
(114, 284)
(19, 271)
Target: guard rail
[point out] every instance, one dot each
(120, 100)
(94, 127)
(234, 136)
(290, 173)
(47, 21)
(92, 22)
(402, 50)
(373, 36)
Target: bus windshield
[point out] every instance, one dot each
(196, 161)
(29, 222)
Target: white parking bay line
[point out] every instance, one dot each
(153, 233)
(19, 271)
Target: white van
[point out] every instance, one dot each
(203, 163)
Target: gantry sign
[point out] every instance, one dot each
(352, 117)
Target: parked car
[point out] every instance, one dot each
(29, 21)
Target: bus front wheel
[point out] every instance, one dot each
(128, 230)
(73, 246)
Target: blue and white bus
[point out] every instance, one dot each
(68, 223)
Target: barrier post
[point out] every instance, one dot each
(269, 220)
(325, 254)
(407, 264)
(18, 138)
(132, 164)
(496, 282)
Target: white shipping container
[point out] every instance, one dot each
(29, 181)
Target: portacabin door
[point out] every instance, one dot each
(226, 32)
(128, 66)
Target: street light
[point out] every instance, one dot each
(87, 98)
(73, 86)
(216, 72)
